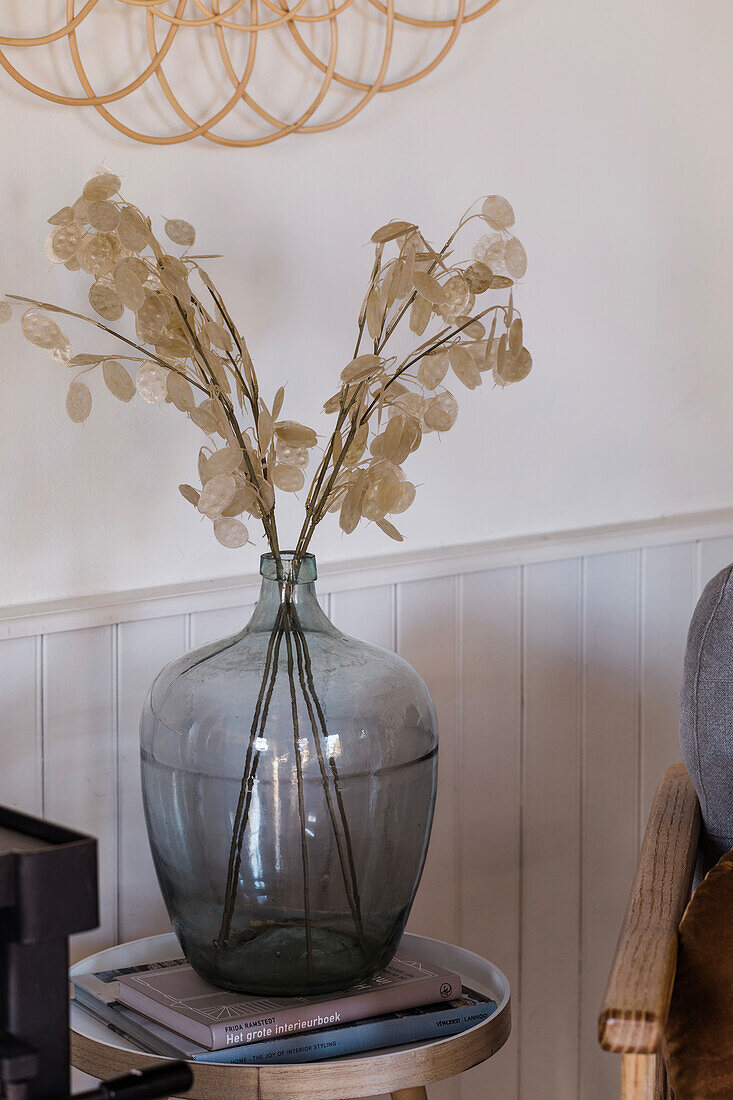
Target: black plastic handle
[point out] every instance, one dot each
(170, 1079)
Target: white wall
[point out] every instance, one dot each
(606, 125)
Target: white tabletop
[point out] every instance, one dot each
(102, 1053)
(477, 973)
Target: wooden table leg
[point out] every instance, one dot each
(639, 1077)
(410, 1094)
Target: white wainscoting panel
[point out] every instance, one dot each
(21, 766)
(550, 852)
(80, 787)
(609, 784)
(143, 648)
(554, 663)
(490, 793)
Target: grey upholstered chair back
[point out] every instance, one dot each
(706, 712)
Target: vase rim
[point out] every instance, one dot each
(306, 571)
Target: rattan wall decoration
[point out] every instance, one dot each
(226, 20)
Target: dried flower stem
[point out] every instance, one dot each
(416, 358)
(411, 298)
(251, 762)
(363, 310)
(117, 335)
(344, 847)
(287, 623)
(267, 517)
(301, 804)
(348, 863)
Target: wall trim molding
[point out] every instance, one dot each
(25, 620)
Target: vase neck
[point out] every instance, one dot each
(288, 595)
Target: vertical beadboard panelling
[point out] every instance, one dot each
(529, 863)
(669, 585)
(549, 994)
(713, 555)
(426, 633)
(367, 614)
(21, 779)
(208, 626)
(80, 757)
(142, 651)
(489, 782)
(610, 783)
(427, 638)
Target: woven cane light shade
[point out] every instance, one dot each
(314, 36)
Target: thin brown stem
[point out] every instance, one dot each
(252, 758)
(416, 358)
(267, 516)
(147, 354)
(411, 297)
(314, 517)
(301, 802)
(363, 311)
(355, 899)
(313, 706)
(312, 502)
(241, 349)
(238, 339)
(342, 811)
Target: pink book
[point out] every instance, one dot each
(178, 998)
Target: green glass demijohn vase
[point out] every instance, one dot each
(289, 778)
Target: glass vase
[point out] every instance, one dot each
(289, 777)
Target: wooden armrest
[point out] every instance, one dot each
(639, 988)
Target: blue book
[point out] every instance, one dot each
(415, 1025)
(394, 1029)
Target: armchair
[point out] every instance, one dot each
(636, 1003)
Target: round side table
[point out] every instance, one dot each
(404, 1072)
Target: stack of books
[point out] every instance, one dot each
(165, 1008)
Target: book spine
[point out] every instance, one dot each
(371, 1035)
(152, 1037)
(378, 1002)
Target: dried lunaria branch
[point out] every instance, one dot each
(191, 355)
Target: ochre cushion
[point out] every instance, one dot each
(699, 1034)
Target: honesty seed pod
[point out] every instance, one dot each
(297, 435)
(180, 232)
(118, 381)
(151, 382)
(78, 402)
(230, 532)
(101, 186)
